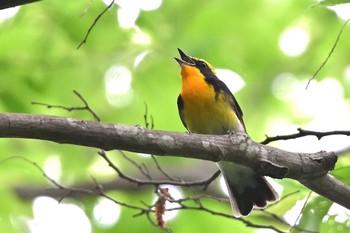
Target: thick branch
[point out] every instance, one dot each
(238, 148)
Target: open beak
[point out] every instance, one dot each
(185, 60)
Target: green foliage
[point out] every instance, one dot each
(39, 62)
(333, 2)
(313, 214)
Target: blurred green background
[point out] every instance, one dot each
(267, 50)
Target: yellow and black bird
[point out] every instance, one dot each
(206, 106)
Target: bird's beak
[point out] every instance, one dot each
(185, 60)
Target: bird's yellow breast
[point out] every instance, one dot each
(205, 111)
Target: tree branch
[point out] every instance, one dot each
(94, 23)
(309, 168)
(304, 133)
(329, 54)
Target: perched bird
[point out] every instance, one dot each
(206, 106)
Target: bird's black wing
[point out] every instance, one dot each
(180, 107)
(235, 105)
(220, 86)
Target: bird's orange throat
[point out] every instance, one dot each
(195, 89)
(204, 110)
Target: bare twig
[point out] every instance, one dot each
(145, 118)
(246, 222)
(87, 107)
(162, 170)
(282, 198)
(69, 109)
(142, 169)
(301, 211)
(303, 133)
(98, 190)
(94, 23)
(155, 182)
(281, 219)
(196, 198)
(329, 54)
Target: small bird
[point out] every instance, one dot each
(206, 106)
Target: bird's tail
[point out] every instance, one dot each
(246, 188)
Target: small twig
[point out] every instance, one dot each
(97, 191)
(69, 109)
(36, 166)
(145, 118)
(246, 222)
(143, 169)
(161, 169)
(282, 198)
(200, 207)
(197, 199)
(280, 219)
(96, 117)
(152, 122)
(301, 211)
(155, 182)
(303, 133)
(329, 54)
(211, 179)
(94, 23)
(201, 196)
(149, 209)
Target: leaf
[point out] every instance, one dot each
(333, 2)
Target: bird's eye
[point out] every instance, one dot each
(203, 64)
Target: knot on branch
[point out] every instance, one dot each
(326, 159)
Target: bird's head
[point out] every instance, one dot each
(194, 66)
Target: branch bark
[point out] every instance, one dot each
(309, 168)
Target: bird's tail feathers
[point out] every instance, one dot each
(246, 188)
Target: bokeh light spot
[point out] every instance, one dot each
(342, 10)
(149, 5)
(141, 37)
(294, 41)
(106, 213)
(8, 13)
(54, 217)
(118, 86)
(281, 86)
(139, 58)
(52, 167)
(232, 80)
(127, 16)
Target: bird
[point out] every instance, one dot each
(207, 106)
